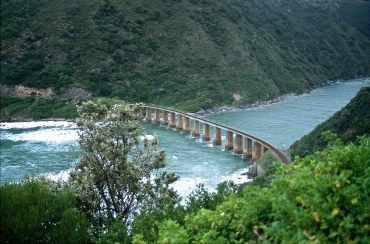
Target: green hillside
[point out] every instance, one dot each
(351, 121)
(190, 54)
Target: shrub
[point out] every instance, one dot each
(322, 198)
(32, 213)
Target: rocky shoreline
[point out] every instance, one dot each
(221, 109)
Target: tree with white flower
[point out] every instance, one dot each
(120, 171)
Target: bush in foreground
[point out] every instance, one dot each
(32, 213)
(322, 198)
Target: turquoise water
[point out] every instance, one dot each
(47, 147)
(284, 122)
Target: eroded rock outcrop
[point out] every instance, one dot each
(23, 91)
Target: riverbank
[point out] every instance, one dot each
(257, 104)
(19, 117)
(205, 112)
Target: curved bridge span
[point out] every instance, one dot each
(248, 145)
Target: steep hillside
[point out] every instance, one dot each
(190, 54)
(351, 121)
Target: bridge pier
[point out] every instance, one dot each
(165, 118)
(238, 149)
(186, 125)
(172, 120)
(256, 151)
(217, 140)
(157, 118)
(148, 115)
(179, 124)
(247, 148)
(196, 129)
(139, 116)
(263, 149)
(229, 141)
(206, 133)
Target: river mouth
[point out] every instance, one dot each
(51, 147)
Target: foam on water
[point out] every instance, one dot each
(185, 185)
(42, 131)
(49, 135)
(148, 137)
(239, 177)
(35, 124)
(61, 176)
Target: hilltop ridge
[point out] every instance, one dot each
(189, 54)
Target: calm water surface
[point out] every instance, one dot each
(50, 147)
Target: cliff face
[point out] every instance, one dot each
(192, 54)
(22, 91)
(351, 121)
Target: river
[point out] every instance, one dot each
(51, 148)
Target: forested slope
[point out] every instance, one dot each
(190, 54)
(351, 121)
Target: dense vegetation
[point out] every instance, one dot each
(191, 54)
(35, 212)
(321, 198)
(16, 108)
(37, 108)
(348, 123)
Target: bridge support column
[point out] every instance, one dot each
(206, 133)
(257, 151)
(217, 139)
(148, 115)
(263, 149)
(186, 125)
(165, 118)
(179, 124)
(172, 120)
(238, 149)
(157, 118)
(196, 129)
(139, 116)
(229, 141)
(248, 148)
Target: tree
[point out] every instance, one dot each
(31, 212)
(120, 171)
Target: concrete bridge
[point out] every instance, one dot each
(242, 143)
